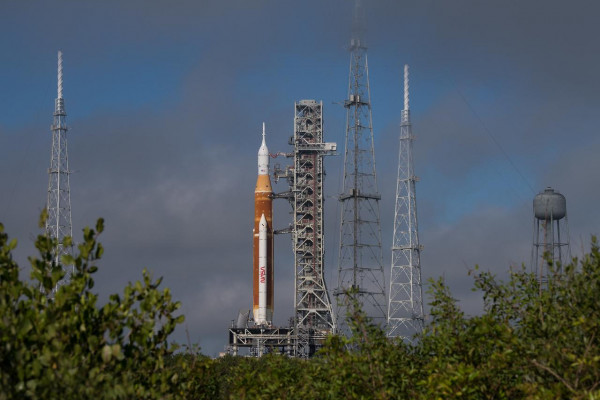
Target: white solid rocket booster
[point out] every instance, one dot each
(262, 271)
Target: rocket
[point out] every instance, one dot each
(262, 303)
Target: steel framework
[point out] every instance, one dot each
(58, 206)
(261, 340)
(360, 261)
(405, 306)
(313, 313)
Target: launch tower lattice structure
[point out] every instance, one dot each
(313, 313)
(405, 306)
(360, 262)
(58, 206)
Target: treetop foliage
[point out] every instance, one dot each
(63, 344)
(529, 343)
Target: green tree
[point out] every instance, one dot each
(528, 343)
(556, 330)
(67, 346)
(366, 365)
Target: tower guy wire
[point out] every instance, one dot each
(493, 138)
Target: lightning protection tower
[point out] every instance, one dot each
(405, 306)
(58, 223)
(550, 233)
(314, 318)
(360, 263)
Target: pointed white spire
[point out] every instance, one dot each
(60, 75)
(263, 156)
(406, 87)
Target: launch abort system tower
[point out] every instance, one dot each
(58, 223)
(405, 306)
(360, 261)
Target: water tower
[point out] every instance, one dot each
(550, 233)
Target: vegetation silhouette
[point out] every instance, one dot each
(527, 343)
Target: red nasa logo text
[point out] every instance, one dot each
(263, 275)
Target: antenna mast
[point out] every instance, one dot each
(58, 223)
(360, 261)
(405, 307)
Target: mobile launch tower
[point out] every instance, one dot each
(58, 206)
(405, 306)
(360, 261)
(313, 314)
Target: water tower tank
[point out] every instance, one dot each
(549, 205)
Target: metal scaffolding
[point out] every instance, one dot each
(58, 206)
(261, 340)
(313, 314)
(405, 307)
(360, 261)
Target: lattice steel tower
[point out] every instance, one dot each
(360, 263)
(314, 316)
(58, 224)
(405, 306)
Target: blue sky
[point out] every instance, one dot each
(166, 100)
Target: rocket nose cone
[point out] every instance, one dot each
(263, 223)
